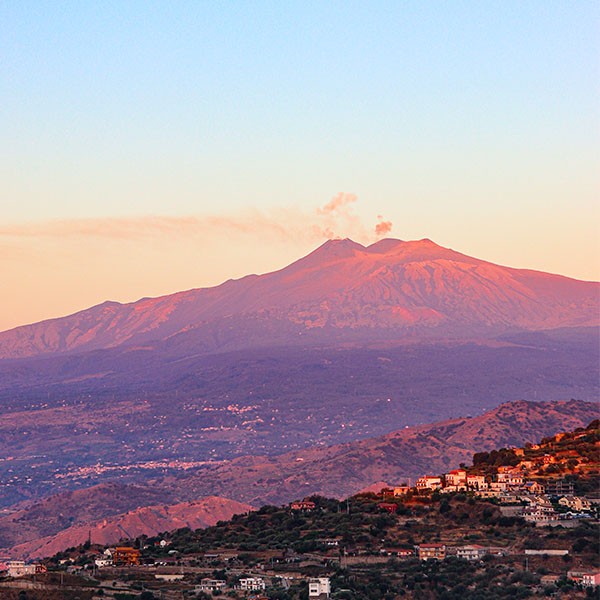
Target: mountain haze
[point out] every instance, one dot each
(340, 291)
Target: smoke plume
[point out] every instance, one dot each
(382, 227)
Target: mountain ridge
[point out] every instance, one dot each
(342, 288)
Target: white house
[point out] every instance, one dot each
(589, 579)
(429, 482)
(18, 568)
(252, 583)
(477, 482)
(319, 587)
(210, 585)
(472, 552)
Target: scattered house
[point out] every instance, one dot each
(398, 552)
(210, 585)
(457, 477)
(549, 579)
(18, 568)
(499, 486)
(533, 487)
(546, 551)
(72, 569)
(589, 579)
(432, 551)
(319, 587)
(252, 583)
(472, 552)
(304, 505)
(124, 555)
(575, 503)
(489, 493)
(104, 561)
(477, 482)
(329, 541)
(585, 578)
(401, 490)
(389, 506)
(429, 483)
(515, 479)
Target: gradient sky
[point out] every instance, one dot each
(153, 147)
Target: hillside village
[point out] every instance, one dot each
(520, 522)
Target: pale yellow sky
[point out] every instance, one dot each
(54, 268)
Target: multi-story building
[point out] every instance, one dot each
(252, 583)
(429, 483)
(589, 579)
(432, 551)
(560, 487)
(476, 482)
(124, 555)
(319, 587)
(457, 478)
(210, 585)
(472, 552)
(575, 503)
(18, 568)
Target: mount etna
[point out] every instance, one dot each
(346, 343)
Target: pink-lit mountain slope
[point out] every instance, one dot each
(148, 520)
(342, 290)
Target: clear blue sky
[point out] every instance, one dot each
(473, 123)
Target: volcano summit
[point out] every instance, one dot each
(342, 291)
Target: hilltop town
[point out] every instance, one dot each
(518, 522)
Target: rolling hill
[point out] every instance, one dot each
(148, 520)
(338, 471)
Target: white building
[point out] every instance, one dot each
(210, 585)
(252, 583)
(319, 587)
(18, 568)
(477, 482)
(575, 503)
(429, 483)
(472, 552)
(104, 561)
(457, 477)
(589, 579)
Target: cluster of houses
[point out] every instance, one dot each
(510, 485)
(458, 480)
